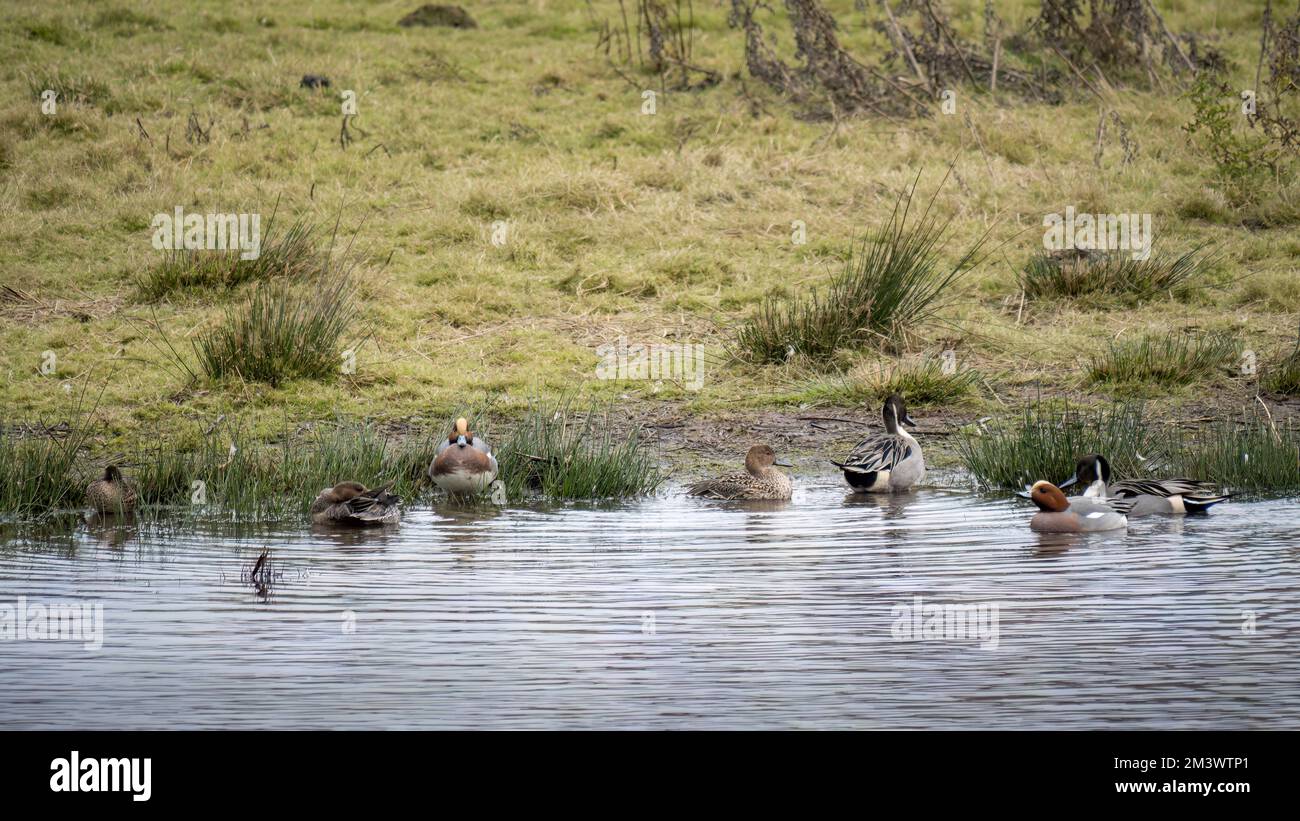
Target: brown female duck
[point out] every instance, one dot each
(351, 503)
(112, 493)
(759, 481)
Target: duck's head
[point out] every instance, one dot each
(461, 435)
(112, 474)
(1089, 469)
(895, 411)
(1048, 497)
(760, 458)
(347, 490)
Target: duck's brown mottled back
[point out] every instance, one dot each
(112, 493)
(760, 481)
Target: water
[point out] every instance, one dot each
(670, 613)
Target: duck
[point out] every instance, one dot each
(886, 462)
(1149, 495)
(352, 503)
(759, 481)
(464, 464)
(1059, 514)
(111, 493)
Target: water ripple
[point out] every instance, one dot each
(671, 612)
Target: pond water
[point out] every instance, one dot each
(671, 612)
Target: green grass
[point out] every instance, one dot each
(258, 481)
(284, 331)
(37, 474)
(892, 283)
(1166, 361)
(229, 473)
(1247, 455)
(1283, 377)
(69, 89)
(920, 381)
(560, 453)
(194, 473)
(1073, 274)
(673, 226)
(1046, 439)
(292, 253)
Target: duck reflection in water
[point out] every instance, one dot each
(112, 529)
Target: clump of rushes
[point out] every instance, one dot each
(283, 331)
(891, 284)
(1283, 378)
(292, 253)
(248, 482)
(562, 454)
(920, 381)
(1074, 273)
(1046, 440)
(265, 482)
(1155, 361)
(38, 474)
(1249, 455)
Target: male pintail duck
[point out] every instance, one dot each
(112, 493)
(464, 463)
(351, 503)
(760, 481)
(889, 461)
(1149, 495)
(1057, 514)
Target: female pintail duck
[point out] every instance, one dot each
(889, 461)
(464, 463)
(1057, 514)
(112, 493)
(760, 481)
(1148, 495)
(351, 503)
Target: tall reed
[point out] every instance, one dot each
(893, 282)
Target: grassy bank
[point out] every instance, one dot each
(514, 209)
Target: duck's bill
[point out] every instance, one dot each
(783, 463)
(909, 421)
(1024, 494)
(1067, 482)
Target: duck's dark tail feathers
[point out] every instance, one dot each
(1200, 504)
